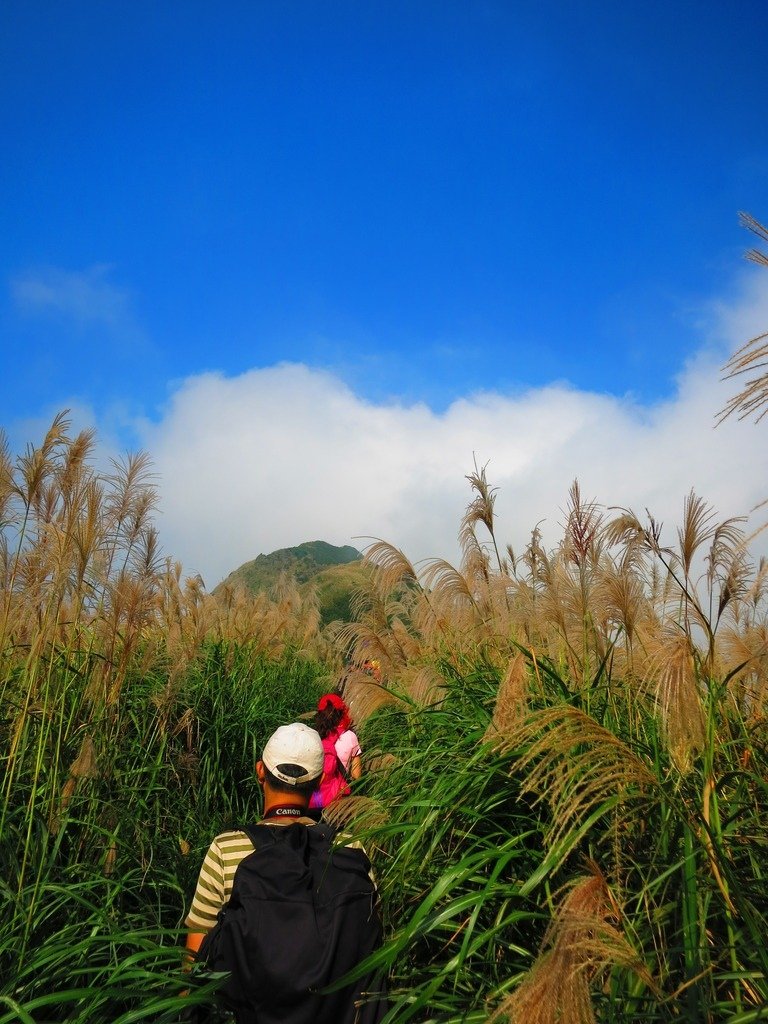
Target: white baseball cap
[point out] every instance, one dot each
(294, 753)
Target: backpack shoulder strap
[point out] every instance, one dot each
(258, 835)
(342, 770)
(262, 836)
(324, 830)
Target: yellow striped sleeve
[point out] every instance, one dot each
(214, 884)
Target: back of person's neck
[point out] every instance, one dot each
(289, 803)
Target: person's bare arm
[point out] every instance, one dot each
(356, 767)
(194, 941)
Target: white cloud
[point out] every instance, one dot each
(85, 296)
(285, 454)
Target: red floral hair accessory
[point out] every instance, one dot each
(333, 700)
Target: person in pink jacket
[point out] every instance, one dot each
(342, 755)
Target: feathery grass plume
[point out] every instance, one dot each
(511, 702)
(581, 540)
(626, 531)
(727, 545)
(189, 618)
(37, 464)
(85, 766)
(753, 397)
(405, 641)
(448, 586)
(747, 610)
(298, 608)
(7, 489)
(424, 684)
(734, 584)
(698, 528)
(509, 562)
(380, 762)
(481, 508)
(372, 639)
(622, 597)
(355, 813)
(534, 557)
(583, 943)
(723, 569)
(532, 570)
(475, 562)
(657, 563)
(365, 695)
(753, 225)
(87, 542)
(130, 502)
(575, 764)
(678, 697)
(560, 608)
(491, 590)
(456, 606)
(392, 568)
(745, 656)
(379, 599)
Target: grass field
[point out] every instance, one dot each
(567, 757)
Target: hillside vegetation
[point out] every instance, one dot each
(329, 573)
(566, 757)
(302, 562)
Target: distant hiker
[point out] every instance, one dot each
(282, 908)
(342, 755)
(372, 667)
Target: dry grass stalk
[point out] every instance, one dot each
(752, 357)
(511, 702)
(392, 568)
(406, 644)
(623, 600)
(561, 612)
(573, 763)
(753, 397)
(449, 588)
(698, 528)
(377, 642)
(479, 510)
(678, 697)
(744, 653)
(581, 538)
(582, 943)
(380, 761)
(110, 859)
(355, 813)
(85, 766)
(365, 695)
(424, 684)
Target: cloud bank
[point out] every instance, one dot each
(286, 453)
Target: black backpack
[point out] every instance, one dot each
(301, 915)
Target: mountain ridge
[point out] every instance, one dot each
(333, 571)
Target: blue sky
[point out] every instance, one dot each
(426, 200)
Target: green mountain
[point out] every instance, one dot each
(334, 572)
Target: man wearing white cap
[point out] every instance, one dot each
(303, 910)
